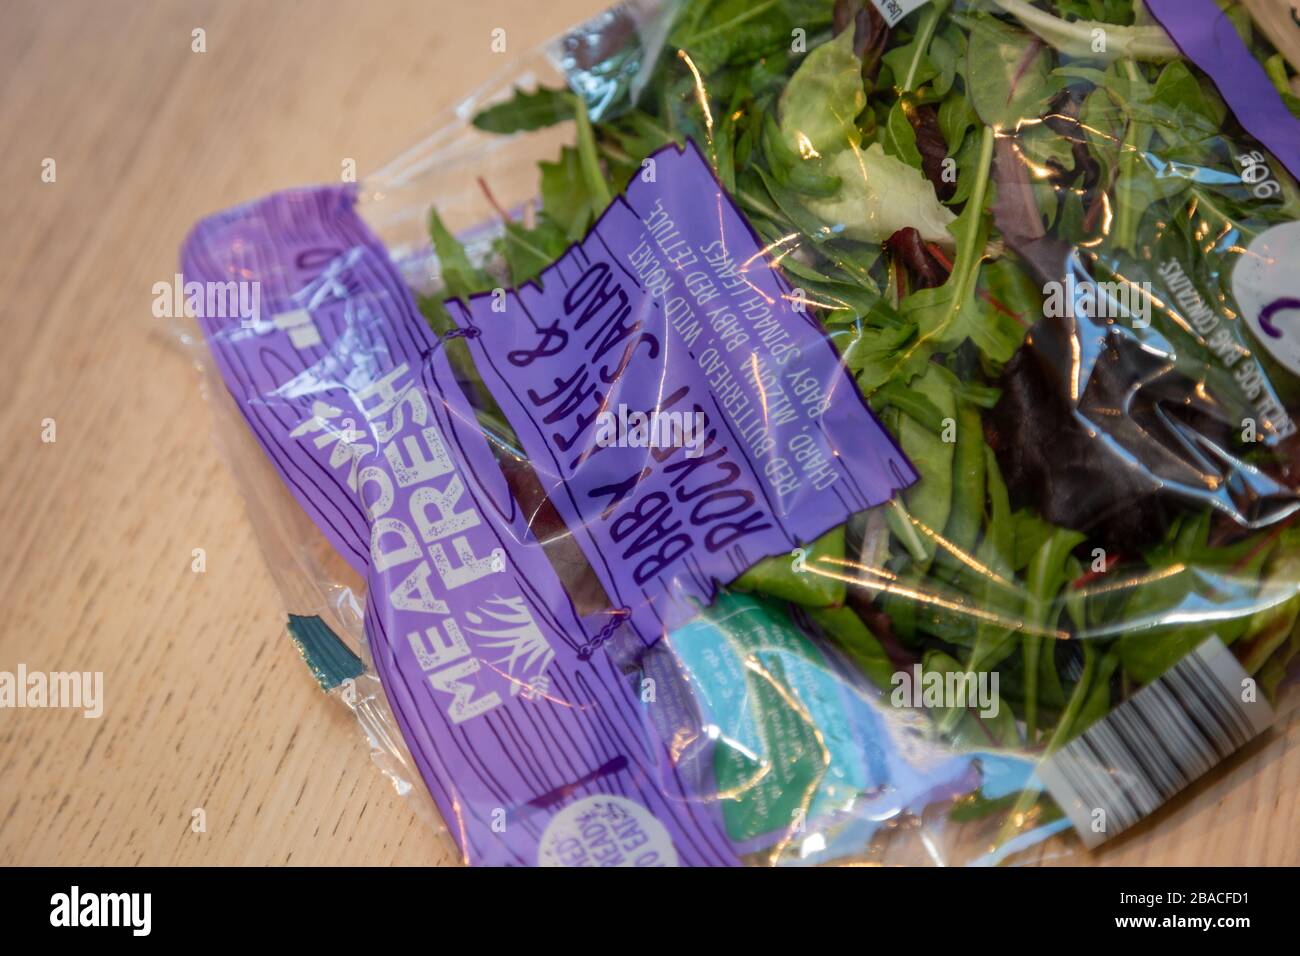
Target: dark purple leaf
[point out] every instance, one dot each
(908, 247)
(931, 146)
(1018, 218)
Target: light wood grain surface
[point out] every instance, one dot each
(207, 703)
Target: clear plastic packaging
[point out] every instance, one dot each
(853, 442)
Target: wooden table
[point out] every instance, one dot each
(208, 705)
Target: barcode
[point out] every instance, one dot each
(1155, 743)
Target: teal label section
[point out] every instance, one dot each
(782, 716)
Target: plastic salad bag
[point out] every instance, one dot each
(795, 432)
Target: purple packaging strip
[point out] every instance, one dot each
(527, 747)
(1207, 37)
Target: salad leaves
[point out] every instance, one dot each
(926, 181)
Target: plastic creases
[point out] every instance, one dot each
(796, 434)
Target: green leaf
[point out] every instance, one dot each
(1187, 110)
(792, 170)
(930, 500)
(911, 64)
(525, 111)
(639, 134)
(843, 626)
(819, 584)
(994, 333)
(435, 313)
(845, 283)
(1013, 288)
(948, 51)
(963, 724)
(911, 402)
(1048, 572)
(459, 278)
(1191, 582)
(899, 137)
(981, 396)
(1274, 671)
(1008, 74)
(565, 196)
(874, 353)
(1117, 12)
(956, 118)
(1040, 144)
(1077, 38)
(722, 32)
(1097, 703)
(1001, 534)
(528, 252)
(967, 158)
(946, 316)
(879, 195)
(1275, 69)
(589, 158)
(967, 515)
(820, 104)
(1030, 533)
(795, 208)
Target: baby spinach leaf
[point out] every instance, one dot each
(1001, 533)
(947, 51)
(795, 208)
(910, 65)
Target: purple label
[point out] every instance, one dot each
(525, 717)
(687, 417)
(1207, 37)
(535, 749)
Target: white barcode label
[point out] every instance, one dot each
(895, 10)
(1155, 743)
